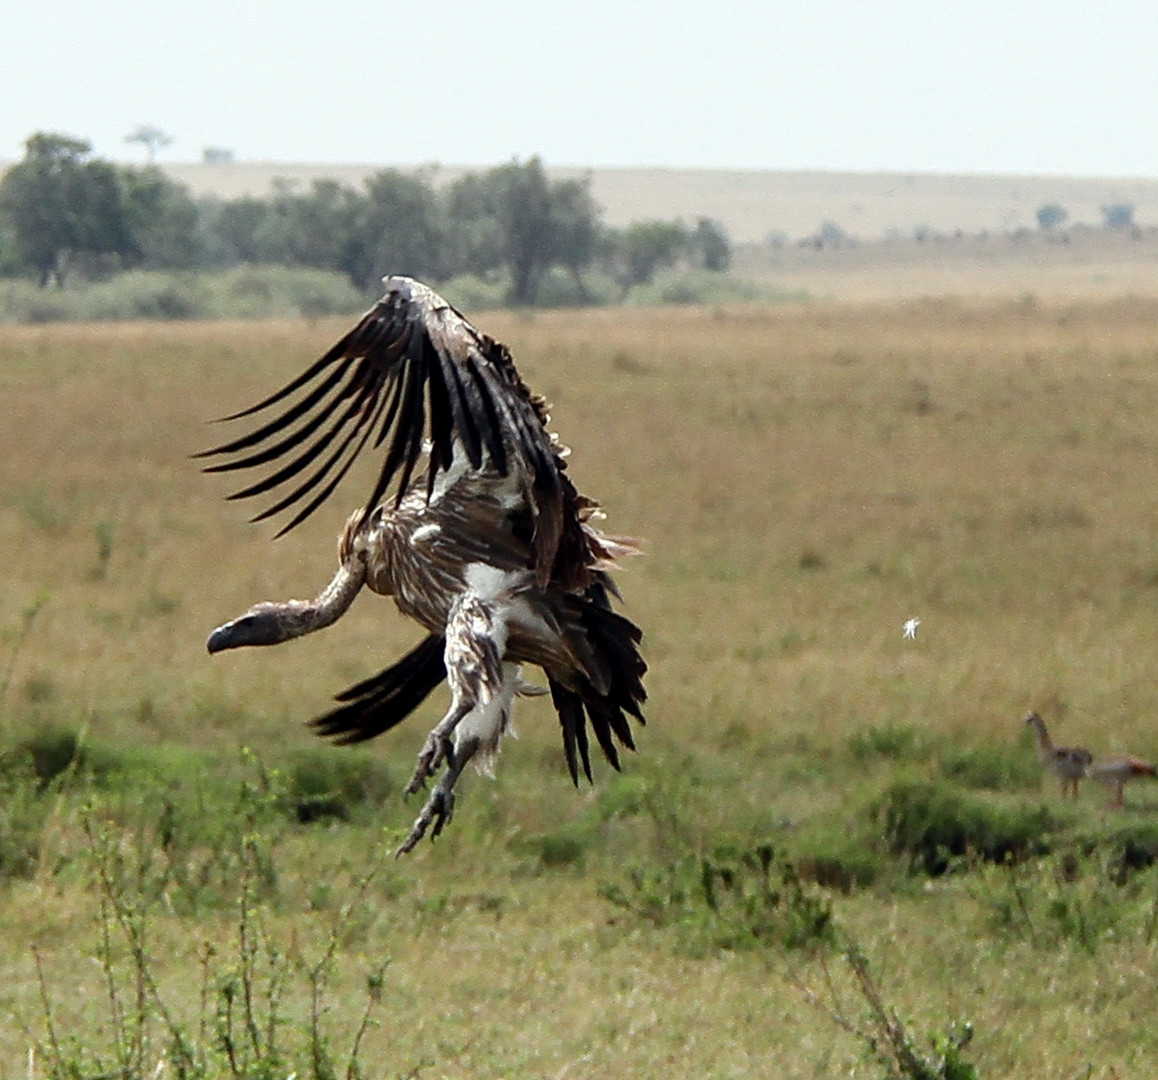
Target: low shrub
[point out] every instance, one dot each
(332, 784)
(885, 1038)
(242, 292)
(737, 895)
(1126, 849)
(142, 294)
(280, 291)
(897, 742)
(561, 848)
(265, 1005)
(468, 292)
(23, 302)
(24, 809)
(840, 858)
(704, 287)
(560, 289)
(931, 826)
(626, 794)
(991, 768)
(1068, 897)
(186, 838)
(50, 752)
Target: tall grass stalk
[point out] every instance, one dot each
(244, 1023)
(27, 620)
(881, 1031)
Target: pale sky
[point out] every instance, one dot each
(1005, 86)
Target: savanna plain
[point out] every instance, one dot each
(835, 848)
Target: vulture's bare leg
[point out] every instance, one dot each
(476, 635)
(476, 738)
(439, 808)
(439, 745)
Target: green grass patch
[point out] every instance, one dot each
(1069, 898)
(933, 827)
(991, 768)
(322, 784)
(737, 895)
(895, 742)
(837, 854)
(243, 292)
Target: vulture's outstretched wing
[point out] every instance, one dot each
(412, 371)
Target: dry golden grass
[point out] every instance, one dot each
(1086, 262)
(806, 479)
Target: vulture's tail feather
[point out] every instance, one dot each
(613, 643)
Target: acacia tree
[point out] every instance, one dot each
(399, 230)
(473, 241)
(391, 227)
(576, 224)
(514, 219)
(1119, 215)
(635, 254)
(711, 244)
(1050, 216)
(152, 138)
(317, 228)
(60, 205)
(527, 242)
(163, 221)
(236, 229)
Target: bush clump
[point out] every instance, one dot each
(897, 742)
(141, 294)
(49, 752)
(844, 860)
(735, 896)
(325, 784)
(243, 292)
(562, 848)
(1072, 896)
(703, 287)
(991, 768)
(1125, 849)
(932, 826)
(23, 812)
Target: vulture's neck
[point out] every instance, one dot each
(271, 624)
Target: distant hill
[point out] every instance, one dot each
(754, 204)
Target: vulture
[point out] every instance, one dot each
(472, 525)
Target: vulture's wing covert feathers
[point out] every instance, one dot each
(412, 370)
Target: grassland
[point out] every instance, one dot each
(806, 478)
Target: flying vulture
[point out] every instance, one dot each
(473, 526)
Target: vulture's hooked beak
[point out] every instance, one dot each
(252, 628)
(225, 637)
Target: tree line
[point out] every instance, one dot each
(66, 214)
